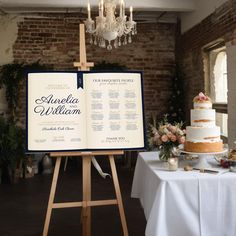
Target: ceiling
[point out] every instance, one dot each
(144, 5)
(144, 10)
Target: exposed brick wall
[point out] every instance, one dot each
(54, 40)
(221, 24)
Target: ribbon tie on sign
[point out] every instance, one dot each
(99, 169)
(80, 83)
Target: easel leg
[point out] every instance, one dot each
(118, 195)
(52, 195)
(86, 210)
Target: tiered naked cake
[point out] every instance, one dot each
(203, 135)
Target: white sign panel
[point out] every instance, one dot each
(84, 111)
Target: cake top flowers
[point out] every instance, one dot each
(201, 97)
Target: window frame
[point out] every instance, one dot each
(217, 47)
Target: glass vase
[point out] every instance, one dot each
(165, 152)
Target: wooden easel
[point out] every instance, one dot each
(87, 203)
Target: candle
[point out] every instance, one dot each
(131, 14)
(101, 7)
(173, 163)
(121, 5)
(89, 11)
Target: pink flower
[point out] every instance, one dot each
(172, 128)
(169, 135)
(202, 97)
(164, 138)
(173, 138)
(182, 140)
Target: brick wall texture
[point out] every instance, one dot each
(53, 39)
(221, 24)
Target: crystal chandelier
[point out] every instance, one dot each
(108, 27)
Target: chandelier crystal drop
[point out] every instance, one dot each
(108, 27)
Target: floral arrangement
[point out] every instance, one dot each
(167, 137)
(201, 97)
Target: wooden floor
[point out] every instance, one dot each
(23, 205)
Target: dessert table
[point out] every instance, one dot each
(184, 203)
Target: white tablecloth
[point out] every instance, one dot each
(184, 203)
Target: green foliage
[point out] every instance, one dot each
(105, 66)
(12, 138)
(12, 143)
(11, 75)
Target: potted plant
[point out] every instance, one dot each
(11, 149)
(12, 76)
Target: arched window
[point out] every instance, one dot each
(219, 83)
(216, 84)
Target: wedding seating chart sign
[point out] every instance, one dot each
(72, 111)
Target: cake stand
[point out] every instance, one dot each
(202, 158)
